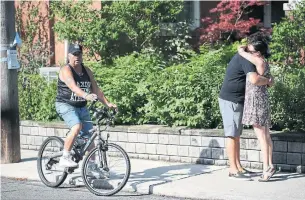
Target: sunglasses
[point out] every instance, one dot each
(77, 54)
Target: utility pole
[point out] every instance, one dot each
(10, 133)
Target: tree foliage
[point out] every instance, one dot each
(121, 27)
(230, 21)
(288, 40)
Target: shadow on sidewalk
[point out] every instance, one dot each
(130, 195)
(28, 159)
(283, 177)
(166, 174)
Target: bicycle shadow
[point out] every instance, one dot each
(146, 174)
(146, 180)
(155, 175)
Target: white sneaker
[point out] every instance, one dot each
(67, 162)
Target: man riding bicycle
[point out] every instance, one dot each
(76, 86)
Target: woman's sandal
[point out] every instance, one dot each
(272, 171)
(265, 177)
(245, 171)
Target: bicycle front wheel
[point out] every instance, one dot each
(106, 172)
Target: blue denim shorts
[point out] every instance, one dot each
(74, 115)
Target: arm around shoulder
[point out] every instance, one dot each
(260, 67)
(258, 62)
(256, 79)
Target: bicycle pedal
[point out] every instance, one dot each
(70, 170)
(72, 182)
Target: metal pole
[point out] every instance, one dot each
(10, 134)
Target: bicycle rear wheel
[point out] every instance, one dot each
(49, 171)
(106, 179)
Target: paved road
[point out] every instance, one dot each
(14, 189)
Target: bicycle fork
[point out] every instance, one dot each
(102, 149)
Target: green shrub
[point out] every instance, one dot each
(287, 96)
(185, 94)
(188, 94)
(287, 100)
(124, 83)
(36, 98)
(147, 92)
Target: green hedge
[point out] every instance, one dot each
(125, 83)
(36, 98)
(287, 99)
(187, 94)
(147, 92)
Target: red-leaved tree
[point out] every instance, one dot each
(231, 21)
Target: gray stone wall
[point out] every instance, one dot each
(202, 146)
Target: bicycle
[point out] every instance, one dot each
(99, 176)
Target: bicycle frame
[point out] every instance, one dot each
(96, 132)
(101, 142)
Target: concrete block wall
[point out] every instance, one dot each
(201, 146)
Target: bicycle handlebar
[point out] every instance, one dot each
(100, 113)
(92, 104)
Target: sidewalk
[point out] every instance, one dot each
(184, 180)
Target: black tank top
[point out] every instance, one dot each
(65, 95)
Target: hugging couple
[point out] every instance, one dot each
(243, 100)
